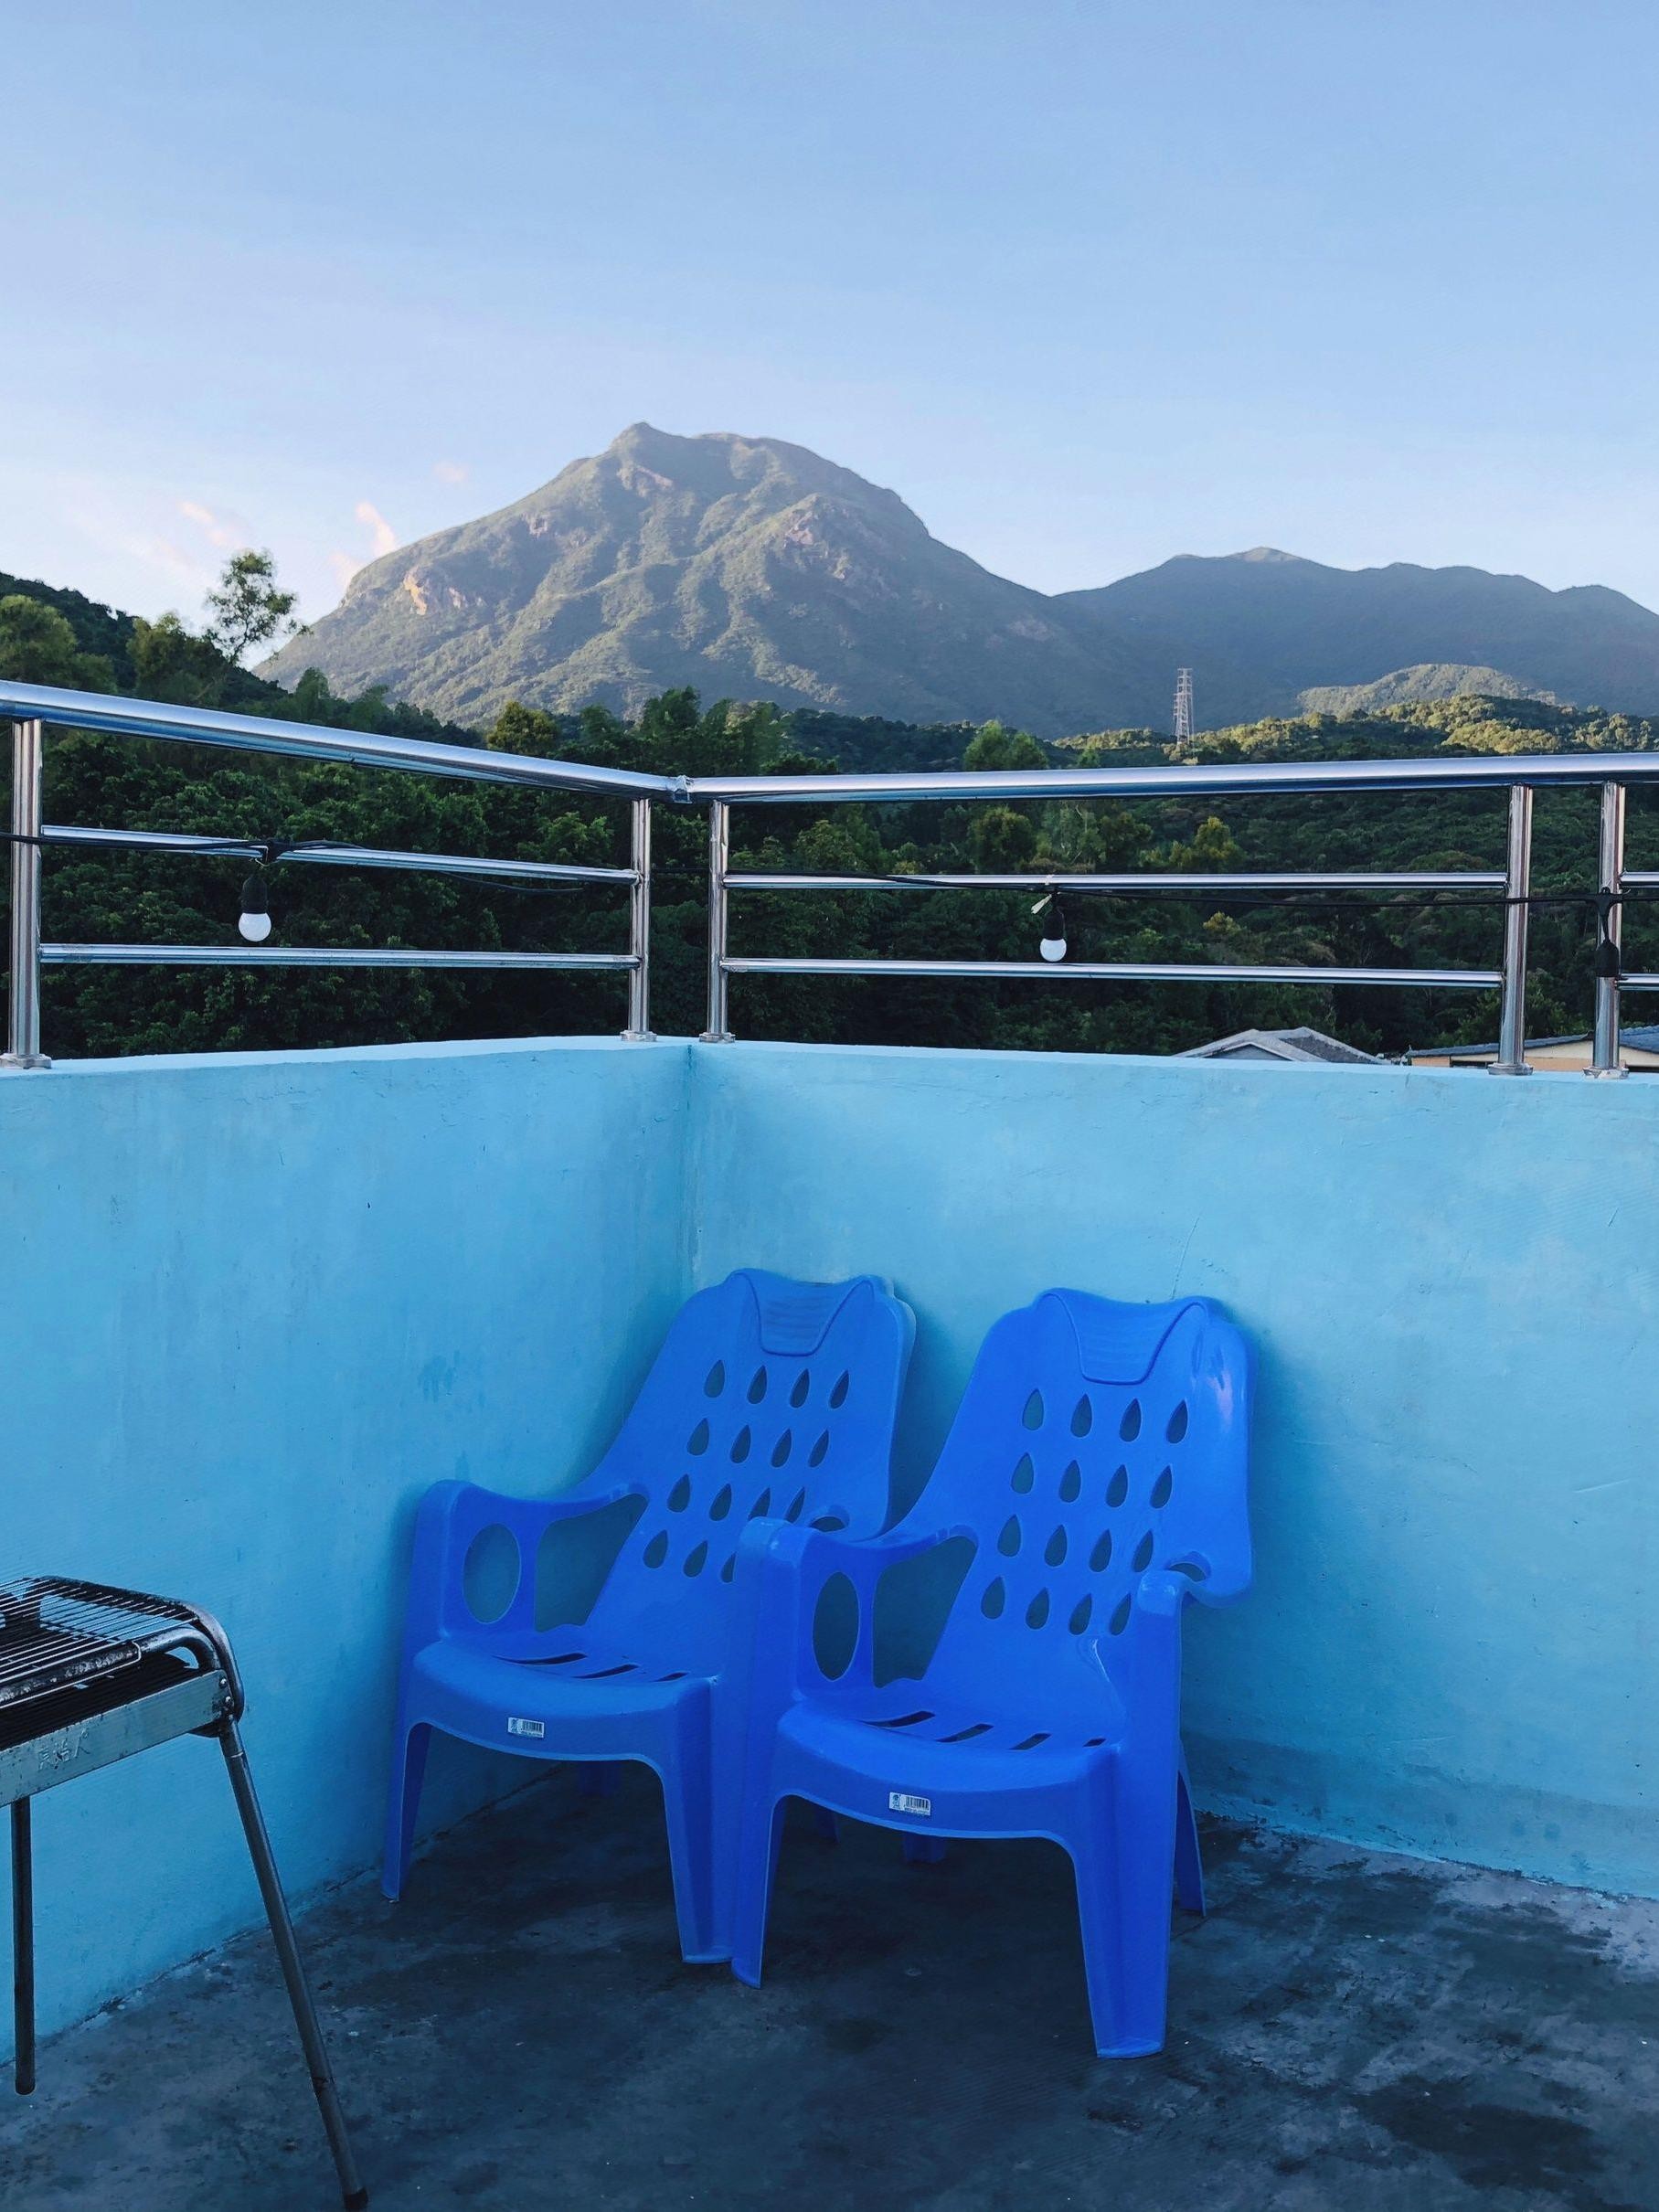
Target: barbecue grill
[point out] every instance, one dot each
(91, 1674)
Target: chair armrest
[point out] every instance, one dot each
(1152, 1658)
(782, 1571)
(1167, 1590)
(450, 1518)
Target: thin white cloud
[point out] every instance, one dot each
(383, 538)
(215, 528)
(451, 472)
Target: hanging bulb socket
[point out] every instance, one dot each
(254, 921)
(1052, 943)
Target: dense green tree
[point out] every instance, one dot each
(247, 607)
(995, 746)
(38, 646)
(171, 663)
(1001, 840)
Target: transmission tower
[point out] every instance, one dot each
(1183, 703)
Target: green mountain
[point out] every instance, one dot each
(745, 567)
(1415, 686)
(1260, 629)
(750, 569)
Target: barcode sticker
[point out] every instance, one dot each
(526, 1727)
(898, 1802)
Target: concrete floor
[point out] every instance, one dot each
(1349, 2032)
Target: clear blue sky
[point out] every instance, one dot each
(1087, 285)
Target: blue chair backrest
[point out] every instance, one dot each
(769, 1399)
(1095, 1440)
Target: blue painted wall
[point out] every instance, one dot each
(252, 1305)
(1453, 1283)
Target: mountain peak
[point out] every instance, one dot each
(748, 567)
(716, 463)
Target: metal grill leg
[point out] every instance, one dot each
(294, 1971)
(23, 1947)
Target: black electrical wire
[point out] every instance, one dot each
(228, 848)
(1324, 902)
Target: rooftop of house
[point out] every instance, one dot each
(1299, 1044)
(257, 1304)
(1635, 1037)
(1348, 2029)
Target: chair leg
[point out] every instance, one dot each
(923, 1850)
(1122, 1855)
(599, 1777)
(827, 1823)
(409, 1770)
(688, 1815)
(23, 1947)
(294, 1972)
(1189, 1863)
(756, 1873)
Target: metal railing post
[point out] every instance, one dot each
(639, 926)
(719, 844)
(1518, 889)
(1611, 880)
(23, 1023)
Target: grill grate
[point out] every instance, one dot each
(54, 1631)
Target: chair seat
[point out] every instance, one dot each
(897, 1743)
(478, 1693)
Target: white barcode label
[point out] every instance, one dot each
(898, 1802)
(526, 1727)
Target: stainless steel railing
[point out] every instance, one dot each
(1614, 881)
(1513, 883)
(1518, 775)
(31, 708)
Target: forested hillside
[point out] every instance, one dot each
(101, 780)
(50, 635)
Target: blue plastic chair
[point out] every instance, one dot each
(1097, 1462)
(769, 1398)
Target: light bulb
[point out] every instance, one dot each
(1053, 943)
(254, 921)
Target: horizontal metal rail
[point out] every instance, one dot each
(154, 841)
(1125, 970)
(313, 956)
(314, 742)
(448, 864)
(1259, 779)
(317, 854)
(1147, 881)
